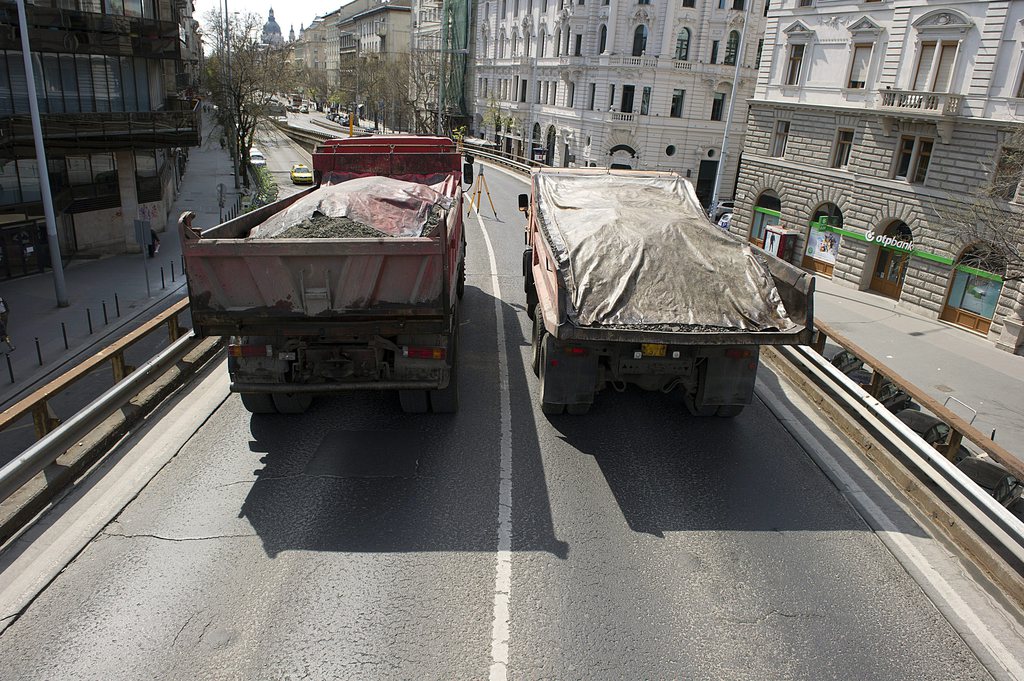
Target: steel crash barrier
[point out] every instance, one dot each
(968, 513)
(66, 447)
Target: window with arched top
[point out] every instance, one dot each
(640, 41)
(974, 288)
(732, 47)
(683, 45)
(893, 258)
(502, 46)
(542, 43)
(526, 44)
(602, 40)
(823, 241)
(515, 45)
(767, 212)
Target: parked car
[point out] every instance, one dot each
(256, 158)
(301, 174)
(993, 477)
(723, 208)
(852, 366)
(303, 109)
(332, 116)
(931, 429)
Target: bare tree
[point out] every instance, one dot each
(242, 74)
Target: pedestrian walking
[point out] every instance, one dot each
(4, 310)
(154, 243)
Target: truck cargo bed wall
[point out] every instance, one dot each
(239, 286)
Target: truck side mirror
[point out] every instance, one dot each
(467, 171)
(524, 204)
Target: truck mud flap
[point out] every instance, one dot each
(568, 376)
(728, 380)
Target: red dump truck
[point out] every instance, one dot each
(307, 316)
(628, 282)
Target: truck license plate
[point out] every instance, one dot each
(653, 349)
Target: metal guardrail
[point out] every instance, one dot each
(959, 428)
(45, 451)
(978, 504)
(37, 403)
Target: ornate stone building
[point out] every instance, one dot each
(621, 84)
(871, 125)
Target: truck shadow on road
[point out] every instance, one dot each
(673, 472)
(355, 474)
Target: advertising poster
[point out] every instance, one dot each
(822, 245)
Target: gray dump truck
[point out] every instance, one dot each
(628, 283)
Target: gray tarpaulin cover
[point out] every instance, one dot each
(637, 250)
(394, 207)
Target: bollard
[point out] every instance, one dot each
(163, 283)
(10, 369)
(105, 320)
(117, 305)
(39, 353)
(172, 271)
(88, 318)
(64, 332)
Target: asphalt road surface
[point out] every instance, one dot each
(281, 153)
(358, 542)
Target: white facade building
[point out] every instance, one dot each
(617, 83)
(871, 122)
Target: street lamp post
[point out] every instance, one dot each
(231, 90)
(44, 173)
(728, 119)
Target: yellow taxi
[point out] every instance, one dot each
(301, 174)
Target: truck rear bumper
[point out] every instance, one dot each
(323, 388)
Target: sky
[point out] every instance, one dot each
(286, 12)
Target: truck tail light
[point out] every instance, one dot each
(423, 353)
(575, 350)
(738, 353)
(236, 350)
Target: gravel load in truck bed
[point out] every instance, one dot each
(320, 226)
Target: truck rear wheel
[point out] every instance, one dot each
(727, 411)
(292, 403)
(413, 401)
(460, 283)
(258, 403)
(538, 337)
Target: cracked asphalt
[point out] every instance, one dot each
(645, 544)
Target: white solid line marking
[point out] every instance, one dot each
(503, 562)
(888, 527)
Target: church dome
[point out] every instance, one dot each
(271, 31)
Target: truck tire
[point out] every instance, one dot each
(727, 411)
(413, 401)
(292, 403)
(258, 403)
(537, 339)
(460, 283)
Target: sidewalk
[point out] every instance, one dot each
(90, 283)
(939, 358)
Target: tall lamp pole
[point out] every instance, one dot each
(231, 90)
(44, 172)
(441, 73)
(732, 104)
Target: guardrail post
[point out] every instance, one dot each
(173, 330)
(876, 382)
(953, 447)
(44, 419)
(120, 367)
(820, 338)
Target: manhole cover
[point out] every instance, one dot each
(944, 388)
(366, 454)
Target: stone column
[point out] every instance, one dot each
(125, 161)
(1012, 337)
